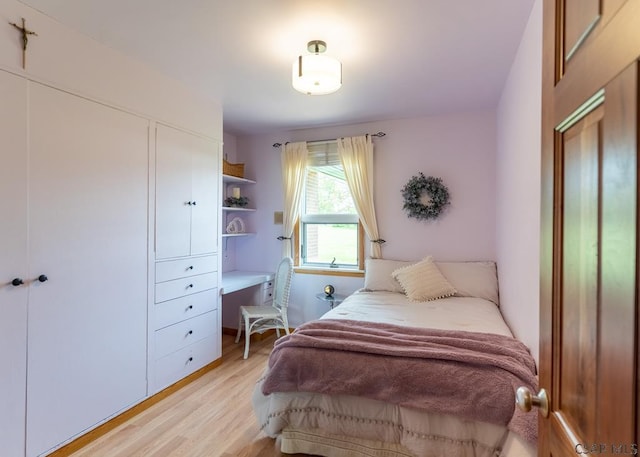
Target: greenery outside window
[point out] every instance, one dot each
(330, 236)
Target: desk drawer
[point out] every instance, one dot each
(185, 286)
(185, 333)
(177, 365)
(182, 268)
(183, 308)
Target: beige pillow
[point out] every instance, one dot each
(377, 274)
(423, 281)
(472, 279)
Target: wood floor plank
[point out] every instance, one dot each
(210, 417)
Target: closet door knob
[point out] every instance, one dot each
(43, 278)
(188, 203)
(17, 282)
(193, 203)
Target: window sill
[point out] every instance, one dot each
(329, 271)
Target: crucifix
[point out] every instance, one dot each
(25, 39)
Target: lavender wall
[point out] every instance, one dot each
(458, 148)
(518, 186)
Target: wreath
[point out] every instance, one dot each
(413, 191)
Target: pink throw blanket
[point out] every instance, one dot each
(467, 374)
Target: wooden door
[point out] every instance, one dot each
(13, 262)
(589, 274)
(88, 231)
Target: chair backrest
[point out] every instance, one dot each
(282, 285)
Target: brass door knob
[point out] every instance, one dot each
(526, 400)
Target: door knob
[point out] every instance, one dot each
(42, 278)
(17, 282)
(526, 400)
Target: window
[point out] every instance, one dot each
(329, 231)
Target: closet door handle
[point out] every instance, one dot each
(17, 282)
(42, 278)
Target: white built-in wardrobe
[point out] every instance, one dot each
(88, 327)
(109, 233)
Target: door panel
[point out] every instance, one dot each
(13, 262)
(88, 192)
(579, 306)
(580, 18)
(589, 264)
(617, 334)
(204, 216)
(173, 193)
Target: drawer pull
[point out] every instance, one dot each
(189, 286)
(190, 332)
(190, 267)
(189, 308)
(190, 359)
(42, 278)
(17, 282)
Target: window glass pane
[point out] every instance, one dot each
(324, 242)
(327, 192)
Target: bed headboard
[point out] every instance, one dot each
(470, 279)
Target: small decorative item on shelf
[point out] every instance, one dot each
(329, 290)
(236, 202)
(236, 226)
(233, 169)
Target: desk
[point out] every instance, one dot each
(235, 280)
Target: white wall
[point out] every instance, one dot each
(69, 60)
(458, 148)
(518, 186)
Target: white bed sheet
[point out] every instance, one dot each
(453, 313)
(352, 426)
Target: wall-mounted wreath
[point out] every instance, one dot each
(420, 186)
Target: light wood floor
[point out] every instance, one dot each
(211, 417)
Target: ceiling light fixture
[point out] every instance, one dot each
(316, 74)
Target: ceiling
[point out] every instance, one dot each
(401, 58)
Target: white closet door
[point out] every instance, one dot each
(88, 234)
(205, 184)
(13, 262)
(173, 192)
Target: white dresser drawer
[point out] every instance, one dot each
(185, 333)
(267, 295)
(185, 286)
(179, 309)
(181, 268)
(177, 365)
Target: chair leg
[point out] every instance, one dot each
(247, 337)
(277, 332)
(239, 326)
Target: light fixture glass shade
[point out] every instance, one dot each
(316, 74)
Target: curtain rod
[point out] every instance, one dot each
(379, 135)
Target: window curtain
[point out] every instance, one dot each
(294, 173)
(356, 155)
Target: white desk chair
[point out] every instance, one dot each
(261, 318)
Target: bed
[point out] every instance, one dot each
(317, 398)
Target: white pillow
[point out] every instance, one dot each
(472, 279)
(377, 274)
(423, 281)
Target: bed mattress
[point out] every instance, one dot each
(343, 425)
